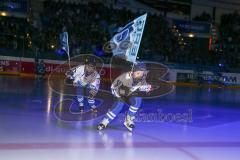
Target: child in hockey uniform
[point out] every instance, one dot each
(88, 77)
(123, 88)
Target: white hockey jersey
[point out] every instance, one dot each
(79, 77)
(123, 85)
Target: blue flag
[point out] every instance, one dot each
(64, 42)
(128, 38)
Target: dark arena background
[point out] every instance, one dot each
(190, 50)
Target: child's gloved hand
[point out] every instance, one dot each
(69, 74)
(146, 88)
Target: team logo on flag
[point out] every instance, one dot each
(127, 40)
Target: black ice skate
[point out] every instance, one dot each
(103, 124)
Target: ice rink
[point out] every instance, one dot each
(188, 124)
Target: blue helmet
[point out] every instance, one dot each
(139, 66)
(90, 61)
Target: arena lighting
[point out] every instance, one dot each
(191, 35)
(4, 14)
(221, 65)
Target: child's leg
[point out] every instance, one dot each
(91, 102)
(80, 97)
(133, 108)
(92, 91)
(111, 115)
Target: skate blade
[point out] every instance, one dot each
(100, 128)
(129, 128)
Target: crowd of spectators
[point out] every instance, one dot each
(226, 50)
(230, 38)
(91, 25)
(10, 32)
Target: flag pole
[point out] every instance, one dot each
(68, 53)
